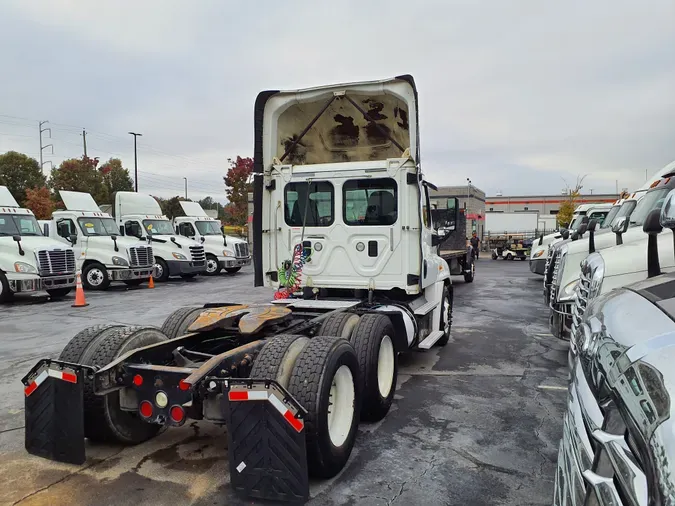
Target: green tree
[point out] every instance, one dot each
(19, 172)
(567, 207)
(115, 177)
(80, 175)
(171, 207)
(237, 188)
(210, 203)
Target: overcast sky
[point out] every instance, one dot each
(514, 94)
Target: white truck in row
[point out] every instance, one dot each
(29, 261)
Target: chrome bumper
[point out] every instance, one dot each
(132, 273)
(560, 320)
(229, 263)
(42, 284)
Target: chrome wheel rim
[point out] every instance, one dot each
(95, 277)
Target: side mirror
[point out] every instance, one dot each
(591, 236)
(575, 235)
(652, 227)
(541, 239)
(668, 214)
(72, 238)
(619, 228)
(202, 238)
(565, 234)
(17, 239)
(582, 229)
(436, 240)
(114, 238)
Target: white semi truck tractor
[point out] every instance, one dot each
(103, 256)
(222, 251)
(29, 261)
(138, 215)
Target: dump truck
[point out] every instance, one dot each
(343, 235)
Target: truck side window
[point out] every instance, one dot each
(311, 204)
(370, 202)
(186, 229)
(65, 228)
(132, 229)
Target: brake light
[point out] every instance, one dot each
(138, 380)
(177, 414)
(145, 408)
(183, 385)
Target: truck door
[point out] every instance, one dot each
(65, 227)
(431, 262)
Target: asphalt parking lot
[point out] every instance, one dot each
(474, 423)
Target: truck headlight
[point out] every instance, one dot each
(538, 253)
(569, 288)
(226, 253)
(120, 261)
(24, 267)
(179, 256)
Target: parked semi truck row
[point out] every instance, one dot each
(29, 261)
(353, 291)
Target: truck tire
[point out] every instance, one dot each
(104, 420)
(468, 276)
(339, 325)
(213, 267)
(446, 315)
(95, 277)
(58, 293)
(509, 256)
(277, 358)
(373, 341)
(6, 292)
(178, 322)
(161, 271)
(232, 270)
(494, 256)
(326, 382)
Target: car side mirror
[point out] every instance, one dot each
(652, 227)
(619, 228)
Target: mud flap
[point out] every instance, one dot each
(266, 441)
(55, 411)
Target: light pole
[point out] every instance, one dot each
(185, 188)
(135, 160)
(468, 193)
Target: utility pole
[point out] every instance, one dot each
(185, 188)
(135, 160)
(42, 148)
(84, 141)
(468, 193)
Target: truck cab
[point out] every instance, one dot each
(104, 256)
(138, 215)
(222, 251)
(29, 261)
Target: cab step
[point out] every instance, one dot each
(426, 308)
(430, 340)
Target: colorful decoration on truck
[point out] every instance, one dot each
(290, 273)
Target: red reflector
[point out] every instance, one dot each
(146, 409)
(183, 386)
(177, 414)
(69, 377)
(138, 380)
(238, 395)
(30, 388)
(296, 423)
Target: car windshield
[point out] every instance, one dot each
(158, 227)
(610, 216)
(23, 225)
(652, 200)
(98, 226)
(208, 228)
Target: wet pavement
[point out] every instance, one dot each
(474, 423)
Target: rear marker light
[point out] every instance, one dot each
(177, 414)
(138, 380)
(146, 409)
(183, 385)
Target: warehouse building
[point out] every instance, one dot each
(544, 204)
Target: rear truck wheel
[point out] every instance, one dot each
(468, 276)
(134, 282)
(95, 277)
(104, 420)
(446, 316)
(326, 382)
(373, 341)
(339, 325)
(178, 322)
(509, 256)
(6, 292)
(232, 270)
(212, 265)
(277, 358)
(161, 271)
(58, 293)
(494, 256)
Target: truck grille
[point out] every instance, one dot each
(198, 255)
(582, 295)
(141, 256)
(241, 250)
(554, 279)
(56, 261)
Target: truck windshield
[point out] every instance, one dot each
(208, 228)
(98, 226)
(576, 220)
(626, 210)
(23, 225)
(652, 200)
(159, 227)
(610, 216)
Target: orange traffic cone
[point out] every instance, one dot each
(79, 293)
(151, 282)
